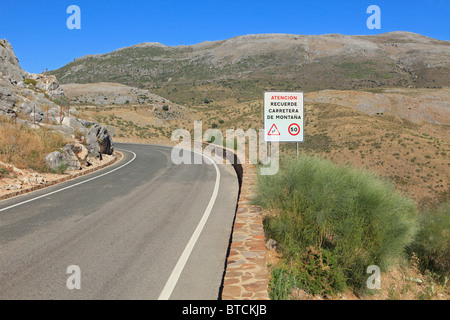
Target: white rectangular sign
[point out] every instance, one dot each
(283, 116)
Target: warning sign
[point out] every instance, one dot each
(274, 131)
(283, 116)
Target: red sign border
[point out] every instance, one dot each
(299, 129)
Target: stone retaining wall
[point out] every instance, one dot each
(246, 274)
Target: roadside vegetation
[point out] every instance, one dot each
(377, 181)
(432, 244)
(26, 148)
(332, 222)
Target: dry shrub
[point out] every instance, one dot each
(25, 148)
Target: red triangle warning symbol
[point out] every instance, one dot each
(274, 131)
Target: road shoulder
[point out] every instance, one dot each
(26, 181)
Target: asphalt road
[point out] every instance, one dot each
(143, 228)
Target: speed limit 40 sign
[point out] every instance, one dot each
(283, 116)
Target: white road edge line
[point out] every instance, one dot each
(74, 185)
(176, 272)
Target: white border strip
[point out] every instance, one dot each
(71, 186)
(176, 272)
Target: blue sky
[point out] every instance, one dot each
(39, 35)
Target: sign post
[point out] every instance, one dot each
(283, 117)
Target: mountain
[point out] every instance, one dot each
(242, 67)
(401, 132)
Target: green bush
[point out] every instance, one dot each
(358, 218)
(281, 284)
(30, 81)
(318, 272)
(314, 271)
(432, 244)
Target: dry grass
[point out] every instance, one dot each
(26, 148)
(412, 155)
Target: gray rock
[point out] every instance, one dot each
(92, 144)
(74, 123)
(272, 244)
(39, 116)
(48, 84)
(6, 95)
(25, 108)
(61, 128)
(54, 160)
(87, 123)
(74, 112)
(6, 111)
(70, 156)
(67, 157)
(99, 140)
(9, 64)
(78, 149)
(13, 187)
(35, 179)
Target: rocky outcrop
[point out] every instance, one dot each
(99, 140)
(6, 101)
(29, 97)
(47, 84)
(24, 93)
(107, 93)
(9, 64)
(75, 124)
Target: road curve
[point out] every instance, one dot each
(143, 228)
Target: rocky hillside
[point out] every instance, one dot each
(34, 118)
(241, 67)
(23, 92)
(107, 93)
(416, 105)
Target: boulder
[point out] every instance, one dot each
(68, 157)
(99, 140)
(61, 128)
(87, 123)
(79, 150)
(74, 112)
(54, 160)
(74, 123)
